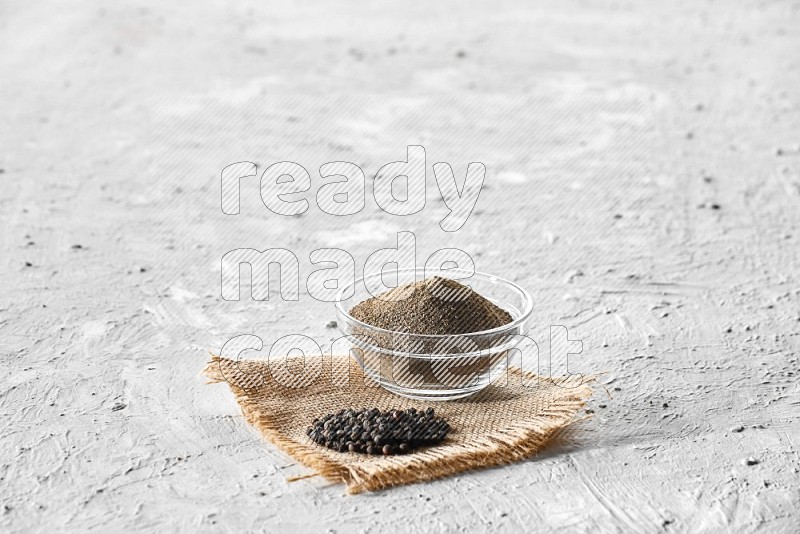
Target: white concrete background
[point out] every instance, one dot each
(607, 128)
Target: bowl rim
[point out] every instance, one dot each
(516, 323)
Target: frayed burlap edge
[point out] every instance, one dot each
(516, 443)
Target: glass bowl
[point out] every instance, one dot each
(436, 367)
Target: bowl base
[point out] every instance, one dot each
(432, 394)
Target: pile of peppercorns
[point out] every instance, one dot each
(371, 431)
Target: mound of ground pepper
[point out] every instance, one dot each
(434, 306)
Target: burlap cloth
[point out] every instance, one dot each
(506, 422)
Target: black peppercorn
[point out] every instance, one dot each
(374, 432)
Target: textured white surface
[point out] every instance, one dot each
(116, 124)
